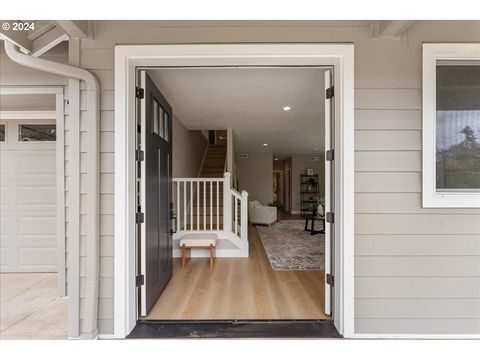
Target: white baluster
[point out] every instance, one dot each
(184, 205)
(244, 216)
(227, 203)
(218, 205)
(235, 212)
(178, 205)
(198, 205)
(191, 205)
(211, 205)
(204, 205)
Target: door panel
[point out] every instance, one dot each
(329, 192)
(156, 239)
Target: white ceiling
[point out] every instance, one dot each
(250, 100)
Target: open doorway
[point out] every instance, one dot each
(129, 59)
(32, 240)
(220, 124)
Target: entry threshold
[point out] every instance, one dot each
(168, 329)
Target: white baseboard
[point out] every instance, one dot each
(295, 212)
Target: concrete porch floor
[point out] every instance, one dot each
(30, 307)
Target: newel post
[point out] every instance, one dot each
(227, 203)
(244, 217)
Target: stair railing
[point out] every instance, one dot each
(192, 195)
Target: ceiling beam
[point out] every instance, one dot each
(392, 29)
(74, 28)
(41, 27)
(48, 40)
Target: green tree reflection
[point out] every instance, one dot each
(458, 166)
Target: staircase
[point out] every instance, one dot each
(210, 204)
(213, 165)
(207, 201)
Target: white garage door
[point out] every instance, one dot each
(28, 239)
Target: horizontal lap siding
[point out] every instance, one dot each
(102, 67)
(402, 252)
(417, 271)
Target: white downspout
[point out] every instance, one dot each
(90, 326)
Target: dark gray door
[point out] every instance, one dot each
(157, 255)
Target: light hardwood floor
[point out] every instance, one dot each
(239, 288)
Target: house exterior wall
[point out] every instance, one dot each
(417, 271)
(13, 75)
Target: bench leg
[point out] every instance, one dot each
(212, 254)
(184, 256)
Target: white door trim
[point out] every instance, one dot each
(129, 57)
(59, 116)
(328, 191)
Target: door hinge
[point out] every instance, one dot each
(330, 217)
(330, 279)
(139, 155)
(330, 155)
(140, 217)
(330, 92)
(140, 280)
(139, 92)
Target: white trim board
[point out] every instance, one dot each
(27, 115)
(130, 57)
(59, 116)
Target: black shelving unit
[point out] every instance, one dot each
(309, 191)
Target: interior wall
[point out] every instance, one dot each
(188, 150)
(255, 175)
(300, 163)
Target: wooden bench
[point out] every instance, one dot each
(198, 241)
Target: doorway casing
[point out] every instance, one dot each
(129, 57)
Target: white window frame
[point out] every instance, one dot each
(431, 197)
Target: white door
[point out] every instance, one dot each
(28, 225)
(329, 190)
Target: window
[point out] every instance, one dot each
(160, 121)
(451, 125)
(165, 126)
(2, 132)
(44, 132)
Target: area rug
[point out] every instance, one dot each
(290, 247)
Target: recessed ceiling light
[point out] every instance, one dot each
(276, 159)
(265, 144)
(287, 108)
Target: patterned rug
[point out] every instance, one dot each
(290, 247)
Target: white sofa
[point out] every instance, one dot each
(260, 214)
